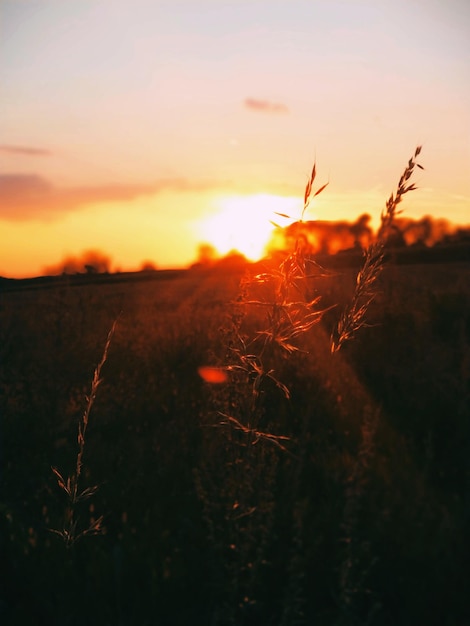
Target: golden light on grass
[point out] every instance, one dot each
(245, 223)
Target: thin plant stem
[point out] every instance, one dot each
(353, 317)
(71, 485)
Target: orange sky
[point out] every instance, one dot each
(132, 126)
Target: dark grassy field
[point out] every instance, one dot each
(360, 517)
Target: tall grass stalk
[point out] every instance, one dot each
(237, 491)
(237, 480)
(291, 306)
(353, 317)
(70, 533)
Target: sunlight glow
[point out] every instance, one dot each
(244, 223)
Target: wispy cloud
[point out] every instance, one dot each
(265, 106)
(26, 197)
(25, 150)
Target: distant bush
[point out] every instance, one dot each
(89, 262)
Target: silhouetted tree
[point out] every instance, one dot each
(89, 261)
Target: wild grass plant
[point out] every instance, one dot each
(353, 318)
(71, 485)
(238, 484)
(289, 297)
(294, 301)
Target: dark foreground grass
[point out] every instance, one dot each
(360, 517)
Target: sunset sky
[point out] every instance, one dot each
(144, 127)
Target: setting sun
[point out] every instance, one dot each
(244, 223)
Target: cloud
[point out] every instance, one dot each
(265, 106)
(25, 150)
(26, 197)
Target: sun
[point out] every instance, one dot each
(244, 223)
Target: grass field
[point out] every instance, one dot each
(346, 504)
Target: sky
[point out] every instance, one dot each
(145, 127)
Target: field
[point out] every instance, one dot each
(347, 503)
